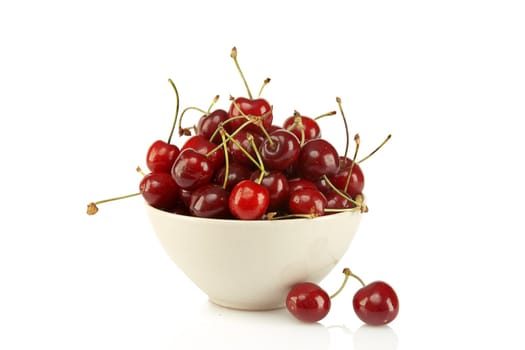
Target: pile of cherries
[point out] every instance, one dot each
(239, 164)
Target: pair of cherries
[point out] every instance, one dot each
(375, 303)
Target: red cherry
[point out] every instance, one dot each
(204, 146)
(308, 302)
(335, 201)
(236, 173)
(258, 107)
(192, 169)
(249, 200)
(280, 150)
(317, 158)
(248, 108)
(159, 190)
(209, 123)
(160, 156)
(323, 186)
(310, 128)
(307, 201)
(299, 183)
(277, 186)
(356, 183)
(209, 201)
(376, 303)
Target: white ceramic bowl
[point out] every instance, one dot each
(252, 265)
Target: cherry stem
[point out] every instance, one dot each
(139, 170)
(221, 127)
(234, 56)
(265, 132)
(338, 100)
(213, 102)
(236, 105)
(271, 216)
(257, 120)
(298, 122)
(265, 82)
(336, 190)
(339, 210)
(347, 274)
(325, 115)
(92, 208)
(357, 140)
(226, 160)
(226, 122)
(254, 146)
(176, 109)
(243, 150)
(361, 200)
(377, 149)
(185, 131)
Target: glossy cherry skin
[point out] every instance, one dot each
(161, 156)
(202, 145)
(277, 186)
(335, 201)
(323, 186)
(281, 152)
(307, 201)
(209, 123)
(249, 200)
(317, 158)
(308, 302)
(236, 173)
(357, 179)
(376, 303)
(298, 183)
(309, 125)
(192, 169)
(210, 201)
(258, 107)
(159, 190)
(184, 197)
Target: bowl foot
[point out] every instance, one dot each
(247, 306)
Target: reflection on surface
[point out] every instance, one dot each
(233, 329)
(222, 328)
(364, 338)
(375, 338)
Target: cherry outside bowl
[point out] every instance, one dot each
(252, 264)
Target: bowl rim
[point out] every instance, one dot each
(249, 222)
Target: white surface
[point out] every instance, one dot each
(84, 91)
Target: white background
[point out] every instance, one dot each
(84, 91)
